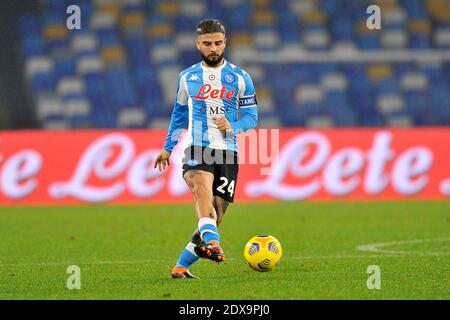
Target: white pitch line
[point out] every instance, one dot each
(375, 247)
(346, 256)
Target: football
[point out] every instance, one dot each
(263, 252)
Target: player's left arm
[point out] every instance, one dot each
(247, 108)
(248, 120)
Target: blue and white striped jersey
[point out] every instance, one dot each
(205, 92)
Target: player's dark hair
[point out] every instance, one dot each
(210, 26)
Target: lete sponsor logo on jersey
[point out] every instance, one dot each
(206, 91)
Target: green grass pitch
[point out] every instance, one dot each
(127, 252)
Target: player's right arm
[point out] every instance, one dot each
(178, 121)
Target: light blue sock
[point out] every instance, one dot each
(208, 230)
(187, 256)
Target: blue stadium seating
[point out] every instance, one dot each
(137, 41)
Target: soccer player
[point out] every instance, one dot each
(217, 101)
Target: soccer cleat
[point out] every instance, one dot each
(211, 251)
(182, 273)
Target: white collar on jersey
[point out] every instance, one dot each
(213, 68)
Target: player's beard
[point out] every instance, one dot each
(212, 61)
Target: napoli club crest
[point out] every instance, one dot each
(229, 78)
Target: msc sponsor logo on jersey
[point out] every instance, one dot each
(219, 110)
(247, 101)
(216, 110)
(206, 91)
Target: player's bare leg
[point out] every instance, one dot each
(200, 183)
(221, 206)
(201, 249)
(206, 236)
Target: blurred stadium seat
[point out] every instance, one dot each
(120, 69)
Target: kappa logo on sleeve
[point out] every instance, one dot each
(194, 77)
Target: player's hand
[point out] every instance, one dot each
(222, 124)
(162, 160)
